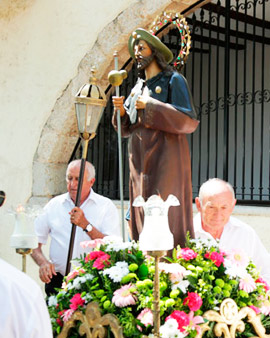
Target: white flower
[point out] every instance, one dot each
(233, 270)
(122, 264)
(78, 281)
(177, 273)
(117, 272)
(70, 286)
(82, 279)
(88, 276)
(116, 244)
(170, 329)
(182, 285)
(206, 243)
(87, 298)
(52, 301)
(61, 293)
(177, 270)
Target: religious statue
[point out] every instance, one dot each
(156, 117)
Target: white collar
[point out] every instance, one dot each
(91, 197)
(197, 224)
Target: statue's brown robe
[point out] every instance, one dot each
(159, 157)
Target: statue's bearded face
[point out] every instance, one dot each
(143, 55)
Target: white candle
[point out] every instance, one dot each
(24, 236)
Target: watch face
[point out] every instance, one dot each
(89, 227)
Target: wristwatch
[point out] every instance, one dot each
(88, 228)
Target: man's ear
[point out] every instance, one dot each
(198, 204)
(92, 181)
(234, 202)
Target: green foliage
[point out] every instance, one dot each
(200, 269)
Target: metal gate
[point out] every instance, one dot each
(228, 71)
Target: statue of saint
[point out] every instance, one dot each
(156, 117)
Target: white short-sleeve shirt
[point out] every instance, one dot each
(239, 235)
(100, 211)
(23, 312)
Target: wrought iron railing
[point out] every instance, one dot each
(228, 73)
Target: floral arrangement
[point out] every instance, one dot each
(197, 278)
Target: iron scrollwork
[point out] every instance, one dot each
(241, 99)
(93, 325)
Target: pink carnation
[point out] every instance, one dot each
(255, 308)
(76, 301)
(216, 258)
(182, 319)
(74, 273)
(102, 261)
(193, 301)
(67, 314)
(187, 254)
(96, 254)
(100, 257)
(262, 281)
(92, 244)
(93, 255)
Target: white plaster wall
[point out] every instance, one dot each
(41, 44)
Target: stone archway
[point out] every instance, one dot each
(59, 135)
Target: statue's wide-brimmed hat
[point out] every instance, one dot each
(142, 34)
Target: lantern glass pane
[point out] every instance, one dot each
(94, 114)
(88, 117)
(80, 114)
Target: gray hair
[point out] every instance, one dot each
(211, 184)
(89, 168)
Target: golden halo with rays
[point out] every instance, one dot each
(171, 20)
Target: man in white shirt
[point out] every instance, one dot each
(215, 204)
(96, 217)
(24, 313)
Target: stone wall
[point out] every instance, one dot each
(47, 49)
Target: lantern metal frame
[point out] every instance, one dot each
(98, 99)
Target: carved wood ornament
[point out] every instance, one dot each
(228, 321)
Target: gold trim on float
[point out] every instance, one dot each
(92, 323)
(229, 321)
